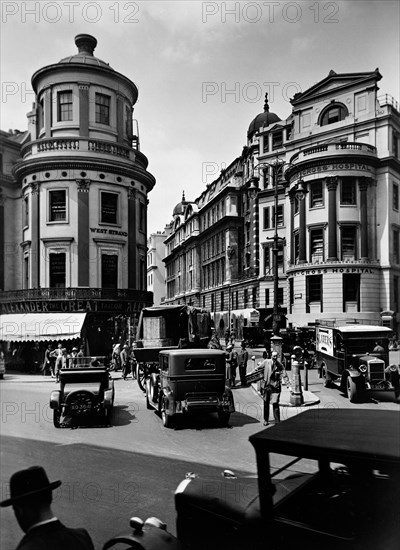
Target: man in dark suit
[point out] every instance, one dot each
(31, 497)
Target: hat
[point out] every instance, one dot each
(26, 483)
(74, 349)
(274, 354)
(229, 346)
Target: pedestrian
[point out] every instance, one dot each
(232, 359)
(214, 342)
(243, 358)
(80, 356)
(393, 375)
(31, 498)
(116, 356)
(62, 362)
(48, 362)
(73, 359)
(227, 336)
(124, 362)
(378, 349)
(271, 387)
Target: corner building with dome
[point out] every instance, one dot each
(305, 223)
(77, 204)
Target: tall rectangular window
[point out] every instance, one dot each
(245, 297)
(267, 263)
(64, 106)
(58, 205)
(396, 246)
(348, 195)
(102, 107)
(142, 217)
(396, 293)
(26, 211)
(266, 297)
(222, 302)
(296, 247)
(277, 140)
(317, 245)
(351, 290)
(254, 297)
(314, 290)
(348, 236)
(280, 216)
(109, 208)
(266, 219)
(316, 195)
(395, 197)
(57, 270)
(280, 296)
(109, 271)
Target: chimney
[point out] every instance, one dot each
(85, 43)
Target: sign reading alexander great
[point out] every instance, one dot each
(67, 306)
(335, 167)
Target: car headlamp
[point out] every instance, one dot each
(363, 368)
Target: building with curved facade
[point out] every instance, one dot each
(316, 228)
(83, 185)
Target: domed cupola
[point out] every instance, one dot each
(180, 208)
(263, 119)
(86, 45)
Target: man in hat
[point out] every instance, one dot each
(31, 497)
(274, 371)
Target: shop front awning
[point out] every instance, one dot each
(39, 327)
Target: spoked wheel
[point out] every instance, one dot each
(224, 417)
(141, 376)
(167, 419)
(56, 418)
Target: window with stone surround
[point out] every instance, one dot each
(317, 245)
(102, 109)
(316, 195)
(64, 105)
(57, 205)
(57, 270)
(109, 208)
(396, 246)
(348, 242)
(335, 112)
(395, 195)
(351, 291)
(313, 290)
(348, 193)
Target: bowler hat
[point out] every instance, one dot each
(29, 482)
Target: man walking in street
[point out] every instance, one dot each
(124, 362)
(31, 498)
(243, 358)
(232, 360)
(274, 371)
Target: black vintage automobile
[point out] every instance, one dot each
(344, 497)
(168, 327)
(190, 381)
(85, 393)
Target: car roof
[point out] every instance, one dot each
(192, 352)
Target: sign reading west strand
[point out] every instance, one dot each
(105, 231)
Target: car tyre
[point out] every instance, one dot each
(352, 390)
(56, 418)
(167, 419)
(224, 417)
(141, 376)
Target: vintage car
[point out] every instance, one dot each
(343, 496)
(86, 393)
(168, 327)
(190, 380)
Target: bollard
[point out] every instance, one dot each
(305, 375)
(296, 396)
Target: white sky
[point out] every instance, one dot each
(202, 69)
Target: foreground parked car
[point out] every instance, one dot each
(85, 394)
(190, 380)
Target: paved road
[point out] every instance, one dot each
(133, 467)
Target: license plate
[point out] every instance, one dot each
(81, 407)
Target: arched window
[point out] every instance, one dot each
(333, 113)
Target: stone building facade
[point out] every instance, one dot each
(82, 184)
(315, 230)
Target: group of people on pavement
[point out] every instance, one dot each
(61, 358)
(122, 358)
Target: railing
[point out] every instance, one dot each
(333, 149)
(387, 99)
(82, 145)
(72, 294)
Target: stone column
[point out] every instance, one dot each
(292, 199)
(332, 183)
(363, 185)
(83, 110)
(302, 232)
(83, 232)
(35, 233)
(132, 231)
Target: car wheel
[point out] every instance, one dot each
(56, 418)
(148, 405)
(167, 419)
(141, 376)
(107, 417)
(352, 390)
(224, 417)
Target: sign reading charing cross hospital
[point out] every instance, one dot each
(336, 167)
